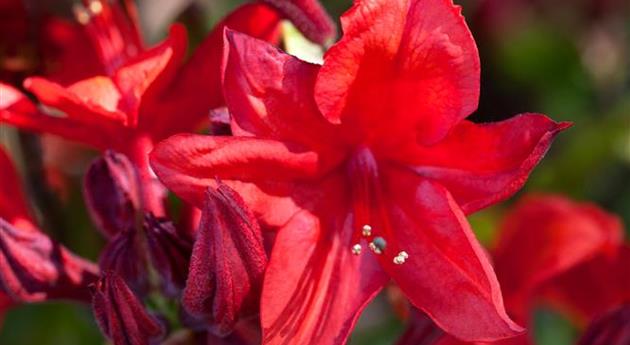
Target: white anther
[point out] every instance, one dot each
(401, 258)
(96, 7)
(367, 230)
(374, 248)
(81, 14)
(356, 249)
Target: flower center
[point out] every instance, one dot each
(370, 220)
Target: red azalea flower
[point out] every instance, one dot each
(592, 288)
(126, 109)
(545, 236)
(367, 168)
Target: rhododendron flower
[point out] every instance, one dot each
(143, 95)
(568, 255)
(545, 236)
(366, 167)
(36, 42)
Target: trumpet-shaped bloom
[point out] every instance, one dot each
(366, 167)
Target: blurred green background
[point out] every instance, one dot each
(569, 59)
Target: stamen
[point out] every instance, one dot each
(401, 258)
(378, 245)
(367, 230)
(95, 7)
(356, 249)
(82, 15)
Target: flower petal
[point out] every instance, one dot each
(545, 236)
(188, 164)
(590, 289)
(17, 110)
(202, 73)
(483, 164)
(314, 287)
(91, 101)
(143, 79)
(447, 274)
(227, 264)
(404, 66)
(270, 93)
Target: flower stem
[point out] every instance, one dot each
(151, 190)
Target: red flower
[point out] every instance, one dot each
(366, 155)
(545, 236)
(592, 288)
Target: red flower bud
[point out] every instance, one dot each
(227, 263)
(612, 328)
(125, 256)
(35, 268)
(121, 315)
(170, 253)
(112, 193)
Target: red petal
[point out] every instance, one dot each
(402, 66)
(545, 236)
(314, 287)
(309, 16)
(16, 109)
(188, 164)
(227, 264)
(270, 93)
(35, 268)
(143, 79)
(91, 101)
(590, 289)
(13, 206)
(121, 315)
(447, 274)
(197, 88)
(483, 164)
